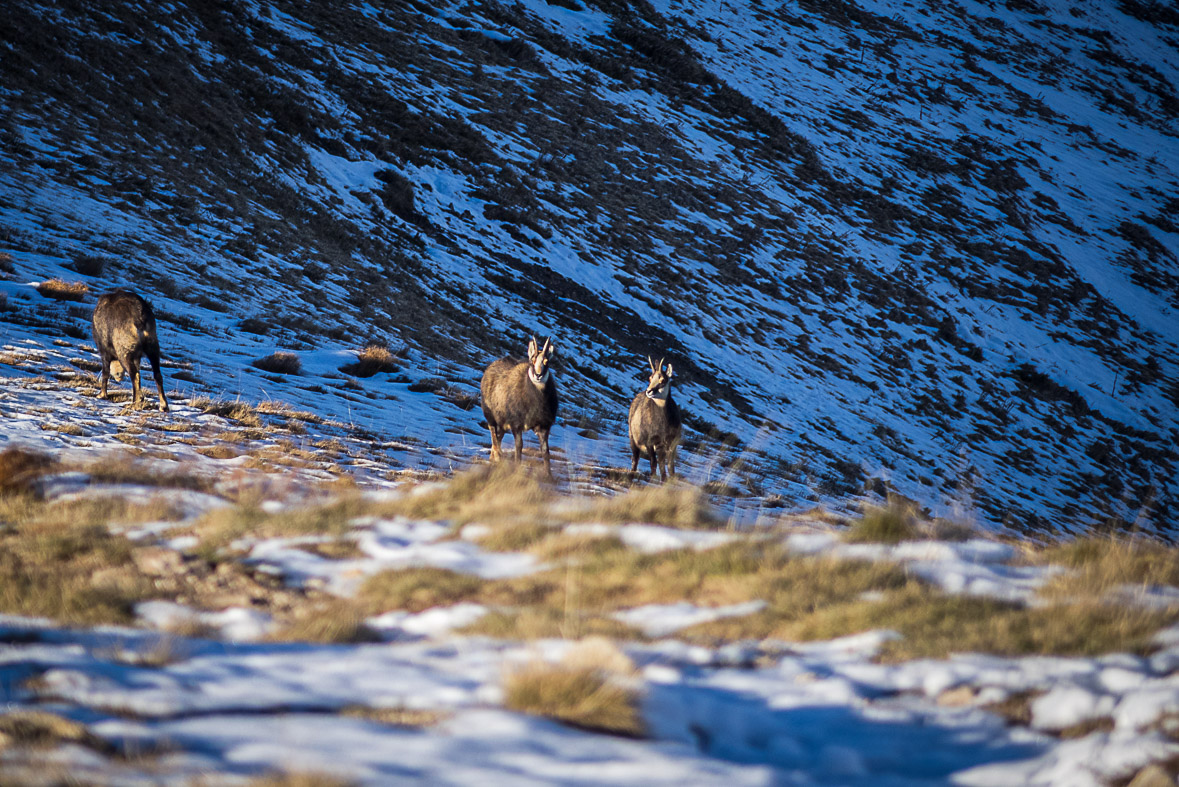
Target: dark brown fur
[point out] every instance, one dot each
(125, 331)
(655, 428)
(513, 402)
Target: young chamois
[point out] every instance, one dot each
(655, 423)
(518, 396)
(125, 331)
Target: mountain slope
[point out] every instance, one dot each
(936, 247)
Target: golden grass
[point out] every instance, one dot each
(396, 716)
(222, 526)
(417, 589)
(61, 562)
(935, 625)
(20, 468)
(338, 621)
(41, 729)
(676, 504)
(339, 549)
(580, 696)
(300, 779)
(374, 358)
(242, 412)
(62, 290)
(890, 524)
(503, 492)
(1102, 564)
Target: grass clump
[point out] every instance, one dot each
(20, 469)
(1104, 564)
(579, 695)
(60, 561)
(935, 625)
(300, 779)
(889, 524)
(242, 412)
(674, 504)
(373, 359)
(334, 622)
(62, 290)
(220, 527)
(489, 494)
(41, 729)
(279, 363)
(417, 589)
(396, 716)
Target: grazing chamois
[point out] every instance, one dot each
(655, 423)
(518, 396)
(125, 331)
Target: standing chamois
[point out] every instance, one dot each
(655, 423)
(125, 331)
(518, 396)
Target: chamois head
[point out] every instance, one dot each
(659, 384)
(538, 361)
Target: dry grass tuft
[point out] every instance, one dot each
(61, 290)
(674, 504)
(489, 494)
(1104, 564)
(396, 716)
(417, 589)
(20, 469)
(241, 412)
(300, 779)
(279, 363)
(60, 561)
(580, 696)
(890, 524)
(42, 729)
(373, 359)
(223, 526)
(338, 621)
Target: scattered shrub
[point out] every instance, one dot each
(674, 504)
(583, 697)
(20, 468)
(374, 358)
(61, 290)
(338, 622)
(888, 524)
(279, 363)
(42, 729)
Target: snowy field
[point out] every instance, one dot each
(424, 703)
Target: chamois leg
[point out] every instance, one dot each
(132, 369)
(106, 375)
(663, 465)
(653, 460)
(154, 357)
(543, 436)
(518, 437)
(671, 452)
(634, 458)
(497, 436)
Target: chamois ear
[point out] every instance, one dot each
(532, 348)
(651, 364)
(669, 372)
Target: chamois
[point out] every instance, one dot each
(125, 331)
(518, 396)
(655, 423)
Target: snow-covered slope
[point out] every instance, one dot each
(932, 242)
